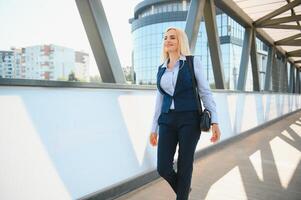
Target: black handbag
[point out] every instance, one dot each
(205, 116)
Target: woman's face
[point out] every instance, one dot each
(171, 42)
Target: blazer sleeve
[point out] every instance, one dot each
(157, 111)
(204, 89)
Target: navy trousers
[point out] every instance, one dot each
(177, 128)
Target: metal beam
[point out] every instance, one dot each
(280, 75)
(193, 21)
(292, 79)
(296, 53)
(299, 72)
(277, 21)
(234, 11)
(293, 13)
(283, 26)
(254, 62)
(278, 11)
(285, 81)
(214, 44)
(283, 75)
(297, 84)
(270, 64)
(288, 39)
(101, 40)
(243, 68)
(290, 43)
(276, 76)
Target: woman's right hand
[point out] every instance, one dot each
(153, 138)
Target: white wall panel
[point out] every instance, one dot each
(65, 143)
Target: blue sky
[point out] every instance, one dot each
(35, 22)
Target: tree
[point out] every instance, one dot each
(95, 78)
(72, 77)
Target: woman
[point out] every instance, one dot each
(176, 112)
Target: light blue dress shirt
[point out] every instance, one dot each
(168, 82)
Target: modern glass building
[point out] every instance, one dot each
(152, 17)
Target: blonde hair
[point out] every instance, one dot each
(183, 47)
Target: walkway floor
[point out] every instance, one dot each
(265, 165)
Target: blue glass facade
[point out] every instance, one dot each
(147, 40)
(147, 50)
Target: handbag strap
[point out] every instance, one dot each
(194, 85)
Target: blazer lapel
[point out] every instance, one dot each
(179, 78)
(159, 76)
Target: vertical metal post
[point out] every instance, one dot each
(275, 75)
(193, 21)
(254, 62)
(214, 44)
(281, 75)
(243, 69)
(101, 40)
(292, 79)
(270, 63)
(285, 81)
(297, 84)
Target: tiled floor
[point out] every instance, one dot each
(264, 166)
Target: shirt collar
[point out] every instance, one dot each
(182, 57)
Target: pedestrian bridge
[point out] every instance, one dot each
(264, 165)
(70, 140)
(91, 142)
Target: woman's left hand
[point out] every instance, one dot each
(216, 133)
